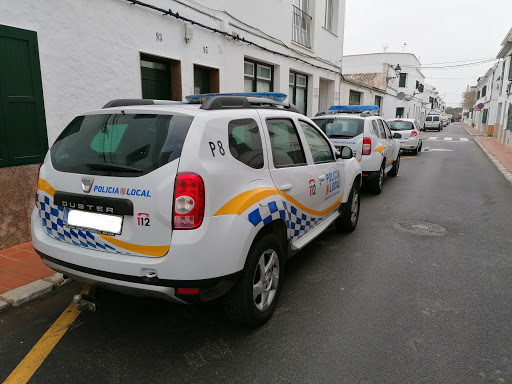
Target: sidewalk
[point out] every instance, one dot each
(499, 153)
(23, 275)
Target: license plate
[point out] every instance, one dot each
(94, 222)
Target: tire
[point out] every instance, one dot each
(265, 265)
(347, 222)
(438, 129)
(420, 147)
(414, 152)
(396, 165)
(376, 185)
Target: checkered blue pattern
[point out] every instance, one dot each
(52, 220)
(297, 221)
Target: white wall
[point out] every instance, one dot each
(90, 49)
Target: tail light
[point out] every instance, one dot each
(188, 201)
(414, 133)
(367, 146)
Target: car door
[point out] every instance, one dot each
(293, 175)
(389, 144)
(328, 170)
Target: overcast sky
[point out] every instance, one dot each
(436, 31)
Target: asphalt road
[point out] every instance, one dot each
(380, 305)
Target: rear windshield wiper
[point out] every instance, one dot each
(113, 167)
(339, 136)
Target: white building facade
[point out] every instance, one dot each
(66, 58)
(403, 90)
(503, 128)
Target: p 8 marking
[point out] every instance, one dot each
(219, 147)
(143, 219)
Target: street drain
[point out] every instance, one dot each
(420, 226)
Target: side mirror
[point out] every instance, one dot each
(345, 153)
(397, 136)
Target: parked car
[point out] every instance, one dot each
(191, 202)
(433, 122)
(410, 132)
(360, 128)
(446, 121)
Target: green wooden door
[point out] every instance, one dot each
(23, 138)
(156, 79)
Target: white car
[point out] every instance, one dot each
(410, 132)
(191, 202)
(433, 122)
(360, 128)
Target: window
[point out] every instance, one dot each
(121, 145)
(341, 128)
(375, 128)
(331, 15)
(484, 116)
(484, 90)
(382, 129)
(319, 146)
(161, 78)
(258, 77)
(386, 128)
(400, 112)
(23, 137)
(298, 91)
(206, 80)
(403, 80)
(245, 142)
(286, 146)
(378, 102)
(478, 95)
(354, 98)
(301, 26)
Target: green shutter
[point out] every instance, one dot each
(484, 116)
(510, 69)
(403, 78)
(23, 138)
(354, 98)
(509, 121)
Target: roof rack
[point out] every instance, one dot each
(128, 102)
(202, 97)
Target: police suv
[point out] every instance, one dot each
(367, 134)
(190, 202)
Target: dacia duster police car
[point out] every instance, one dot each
(191, 202)
(360, 128)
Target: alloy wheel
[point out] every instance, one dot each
(266, 279)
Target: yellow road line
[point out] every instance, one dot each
(29, 365)
(407, 157)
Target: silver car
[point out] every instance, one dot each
(410, 132)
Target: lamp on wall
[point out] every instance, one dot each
(397, 70)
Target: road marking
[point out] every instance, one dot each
(407, 157)
(441, 150)
(432, 138)
(448, 139)
(29, 365)
(464, 139)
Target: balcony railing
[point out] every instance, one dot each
(301, 27)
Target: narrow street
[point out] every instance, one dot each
(383, 304)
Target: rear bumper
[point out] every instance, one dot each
(209, 289)
(409, 144)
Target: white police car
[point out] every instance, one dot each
(360, 128)
(190, 202)
(410, 132)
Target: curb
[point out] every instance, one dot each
(496, 162)
(473, 134)
(33, 290)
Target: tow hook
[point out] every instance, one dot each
(84, 303)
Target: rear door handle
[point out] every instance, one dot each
(286, 187)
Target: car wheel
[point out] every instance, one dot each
(376, 185)
(347, 222)
(420, 146)
(396, 165)
(415, 151)
(254, 297)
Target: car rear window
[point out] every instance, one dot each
(400, 125)
(429, 118)
(119, 144)
(436, 118)
(339, 128)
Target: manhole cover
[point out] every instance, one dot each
(420, 226)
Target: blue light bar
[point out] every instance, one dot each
(201, 98)
(353, 108)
